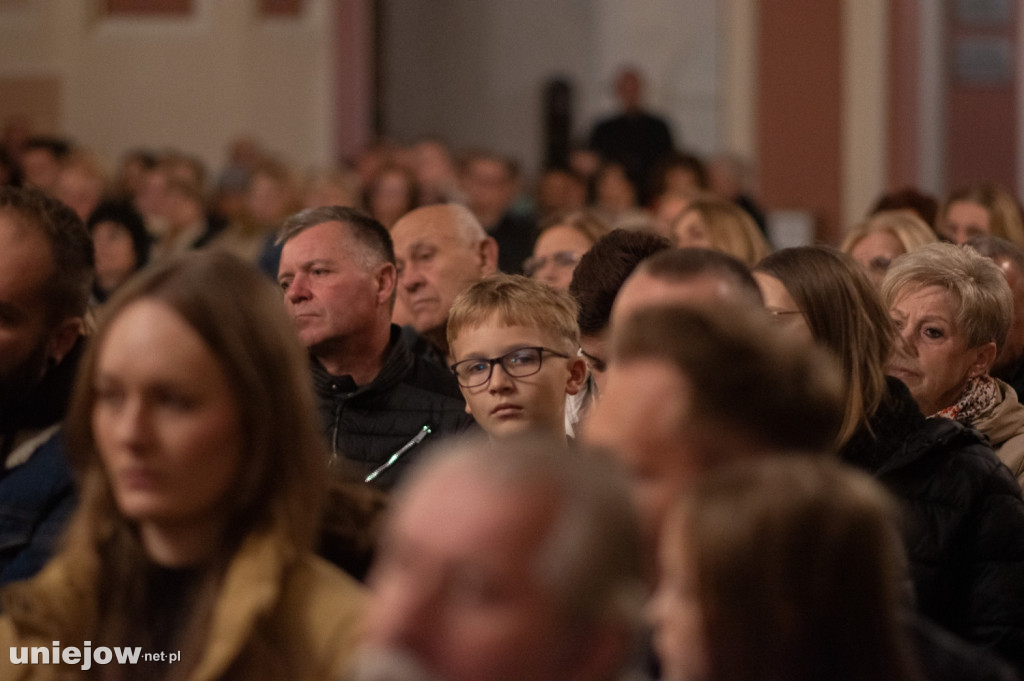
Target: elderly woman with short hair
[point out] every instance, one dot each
(952, 309)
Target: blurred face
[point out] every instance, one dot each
(392, 197)
(433, 165)
(555, 255)
(875, 252)
(326, 191)
(489, 189)
(25, 332)
(641, 419)
(455, 586)
(965, 219)
(80, 190)
(675, 610)
(614, 190)
(682, 180)
(330, 294)
(669, 208)
(507, 405)
(41, 169)
(932, 356)
(153, 197)
(434, 266)
(115, 254)
(267, 200)
(166, 423)
(560, 191)
(784, 310)
(691, 232)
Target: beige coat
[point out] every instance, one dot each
(276, 617)
(1004, 427)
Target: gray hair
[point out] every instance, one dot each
(985, 303)
(370, 234)
(910, 230)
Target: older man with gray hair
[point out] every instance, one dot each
(504, 561)
(440, 251)
(378, 399)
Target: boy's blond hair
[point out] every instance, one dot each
(518, 301)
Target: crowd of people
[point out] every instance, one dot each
(407, 420)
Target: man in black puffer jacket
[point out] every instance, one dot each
(379, 401)
(964, 520)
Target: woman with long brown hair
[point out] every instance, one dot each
(193, 432)
(783, 569)
(963, 510)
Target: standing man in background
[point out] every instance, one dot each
(633, 138)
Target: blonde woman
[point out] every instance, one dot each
(720, 225)
(985, 208)
(882, 238)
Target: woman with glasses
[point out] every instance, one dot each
(562, 241)
(963, 512)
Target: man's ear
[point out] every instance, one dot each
(62, 339)
(488, 253)
(577, 375)
(986, 354)
(387, 278)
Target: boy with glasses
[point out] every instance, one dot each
(514, 344)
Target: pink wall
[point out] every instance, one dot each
(354, 82)
(981, 119)
(904, 117)
(799, 98)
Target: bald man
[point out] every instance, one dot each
(440, 251)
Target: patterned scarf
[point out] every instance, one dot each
(980, 395)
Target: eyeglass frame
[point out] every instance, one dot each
(492, 361)
(534, 264)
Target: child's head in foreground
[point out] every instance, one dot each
(514, 344)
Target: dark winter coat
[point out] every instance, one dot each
(411, 402)
(964, 520)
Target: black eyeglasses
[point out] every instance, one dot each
(562, 258)
(518, 363)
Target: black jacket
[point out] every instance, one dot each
(37, 496)
(964, 520)
(368, 424)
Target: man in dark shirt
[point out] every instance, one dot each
(490, 183)
(46, 271)
(634, 138)
(379, 400)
